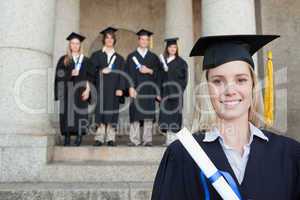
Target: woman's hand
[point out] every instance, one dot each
(158, 98)
(106, 70)
(85, 95)
(75, 72)
(119, 93)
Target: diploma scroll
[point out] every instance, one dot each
(206, 165)
(112, 62)
(165, 66)
(136, 62)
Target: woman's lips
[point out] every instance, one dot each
(231, 103)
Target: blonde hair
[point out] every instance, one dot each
(205, 116)
(68, 56)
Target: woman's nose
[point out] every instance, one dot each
(230, 89)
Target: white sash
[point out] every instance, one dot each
(79, 62)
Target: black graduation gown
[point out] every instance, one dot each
(73, 111)
(142, 108)
(107, 107)
(272, 172)
(170, 115)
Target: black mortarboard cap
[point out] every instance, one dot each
(144, 32)
(75, 35)
(218, 50)
(171, 41)
(109, 30)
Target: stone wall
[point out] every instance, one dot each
(127, 15)
(283, 17)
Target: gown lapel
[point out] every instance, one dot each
(140, 58)
(216, 154)
(254, 170)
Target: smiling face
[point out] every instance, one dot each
(230, 88)
(109, 40)
(75, 45)
(172, 49)
(143, 41)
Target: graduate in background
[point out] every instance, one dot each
(263, 165)
(143, 68)
(174, 80)
(107, 67)
(72, 90)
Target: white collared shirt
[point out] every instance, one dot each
(76, 58)
(108, 53)
(237, 162)
(142, 52)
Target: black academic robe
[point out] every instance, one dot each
(272, 172)
(73, 111)
(146, 85)
(173, 84)
(107, 106)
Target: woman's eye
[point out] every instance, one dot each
(242, 80)
(217, 81)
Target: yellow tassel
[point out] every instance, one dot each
(151, 42)
(269, 93)
(178, 47)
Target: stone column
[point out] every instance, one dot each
(179, 23)
(228, 17)
(67, 21)
(26, 47)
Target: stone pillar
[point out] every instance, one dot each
(67, 21)
(228, 17)
(26, 47)
(179, 23)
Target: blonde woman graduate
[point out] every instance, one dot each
(72, 90)
(257, 164)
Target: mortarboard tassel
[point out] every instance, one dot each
(151, 42)
(178, 47)
(269, 92)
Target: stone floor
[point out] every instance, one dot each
(76, 191)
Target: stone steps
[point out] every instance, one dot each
(89, 173)
(119, 153)
(99, 171)
(76, 191)
(102, 164)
